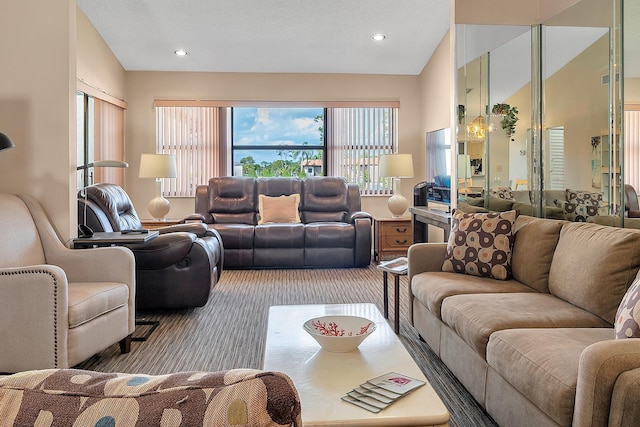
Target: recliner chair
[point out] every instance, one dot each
(175, 270)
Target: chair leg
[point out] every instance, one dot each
(125, 344)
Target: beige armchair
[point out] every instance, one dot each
(58, 306)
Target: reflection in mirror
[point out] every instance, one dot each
(494, 64)
(631, 72)
(580, 168)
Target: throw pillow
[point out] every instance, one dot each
(480, 244)
(502, 192)
(578, 197)
(278, 209)
(581, 206)
(628, 316)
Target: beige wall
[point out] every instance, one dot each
(142, 88)
(97, 66)
(37, 104)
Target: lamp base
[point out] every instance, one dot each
(159, 207)
(397, 205)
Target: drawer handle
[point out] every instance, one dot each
(401, 230)
(401, 243)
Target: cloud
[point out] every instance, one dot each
(263, 116)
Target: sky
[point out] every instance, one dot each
(274, 126)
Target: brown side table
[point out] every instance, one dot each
(391, 267)
(391, 237)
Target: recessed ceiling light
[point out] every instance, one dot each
(378, 37)
(180, 52)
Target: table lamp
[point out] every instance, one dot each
(158, 166)
(396, 166)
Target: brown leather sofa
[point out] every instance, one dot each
(175, 270)
(331, 230)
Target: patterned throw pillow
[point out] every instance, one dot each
(628, 316)
(480, 244)
(502, 192)
(582, 206)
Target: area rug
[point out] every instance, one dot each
(229, 332)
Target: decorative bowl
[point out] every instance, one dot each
(339, 334)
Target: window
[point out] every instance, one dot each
(213, 139)
(278, 142)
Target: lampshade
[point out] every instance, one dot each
(396, 165)
(5, 142)
(158, 166)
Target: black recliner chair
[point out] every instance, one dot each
(175, 270)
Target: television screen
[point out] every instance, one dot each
(439, 166)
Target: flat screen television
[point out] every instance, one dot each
(439, 166)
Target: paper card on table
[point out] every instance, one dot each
(380, 390)
(356, 402)
(368, 400)
(396, 383)
(382, 398)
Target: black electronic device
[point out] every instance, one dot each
(84, 231)
(420, 194)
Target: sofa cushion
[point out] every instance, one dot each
(499, 205)
(324, 199)
(542, 364)
(278, 209)
(431, 288)
(235, 236)
(627, 323)
(475, 317)
(535, 241)
(88, 301)
(480, 244)
(279, 236)
(329, 235)
(594, 265)
(87, 398)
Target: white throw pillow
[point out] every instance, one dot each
(282, 209)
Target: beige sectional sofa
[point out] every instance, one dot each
(539, 348)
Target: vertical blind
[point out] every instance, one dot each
(108, 140)
(632, 148)
(356, 138)
(191, 133)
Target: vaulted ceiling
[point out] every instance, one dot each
(275, 36)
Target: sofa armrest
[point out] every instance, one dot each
(197, 228)
(600, 366)
(362, 245)
(34, 318)
(195, 217)
(425, 257)
(358, 215)
(625, 402)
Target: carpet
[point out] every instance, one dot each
(229, 332)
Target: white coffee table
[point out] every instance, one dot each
(322, 378)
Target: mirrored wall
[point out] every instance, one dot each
(539, 107)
